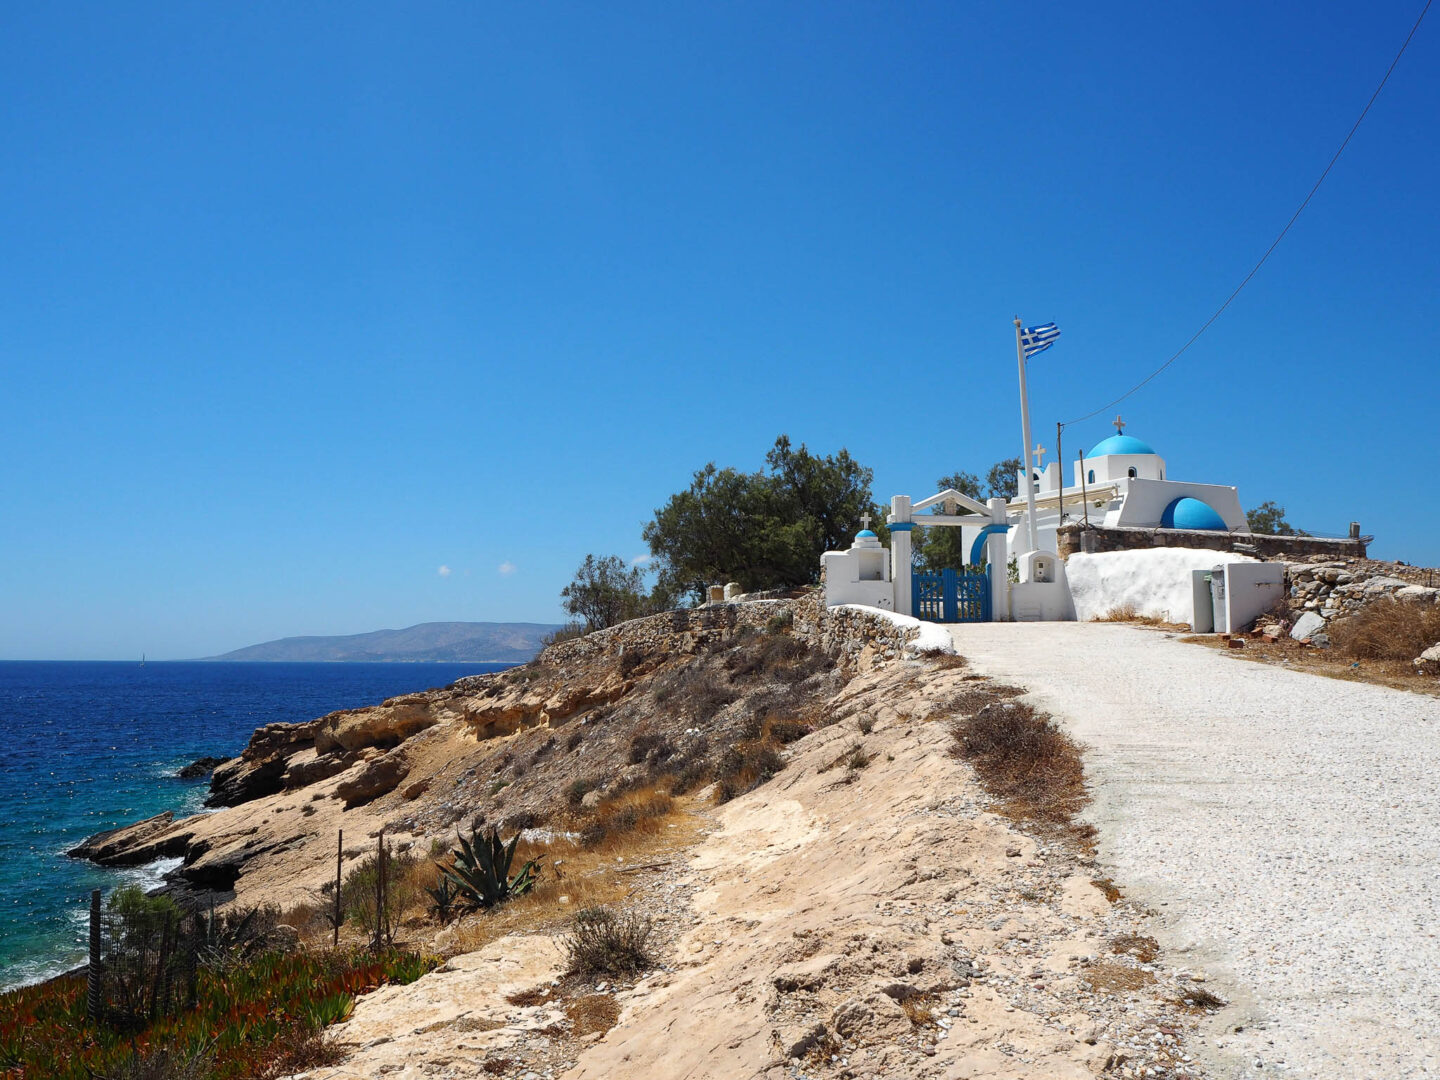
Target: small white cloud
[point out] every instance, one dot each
(444, 571)
(641, 560)
(506, 568)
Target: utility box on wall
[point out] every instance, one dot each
(1229, 597)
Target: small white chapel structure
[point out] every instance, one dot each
(1121, 483)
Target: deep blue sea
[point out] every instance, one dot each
(87, 746)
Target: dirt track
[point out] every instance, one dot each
(1285, 826)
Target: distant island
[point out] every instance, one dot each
(453, 642)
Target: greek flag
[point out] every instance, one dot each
(1036, 339)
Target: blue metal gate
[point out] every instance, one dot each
(951, 596)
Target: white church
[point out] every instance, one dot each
(1121, 483)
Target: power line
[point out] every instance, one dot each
(1276, 243)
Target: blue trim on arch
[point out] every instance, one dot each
(902, 526)
(978, 547)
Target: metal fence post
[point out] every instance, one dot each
(93, 997)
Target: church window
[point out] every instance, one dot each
(1092, 477)
(1132, 472)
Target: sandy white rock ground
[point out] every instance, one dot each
(1286, 826)
(819, 903)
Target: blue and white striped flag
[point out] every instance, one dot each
(1036, 339)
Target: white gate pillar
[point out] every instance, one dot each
(997, 553)
(900, 526)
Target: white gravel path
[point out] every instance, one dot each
(1285, 826)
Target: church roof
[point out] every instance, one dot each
(1121, 444)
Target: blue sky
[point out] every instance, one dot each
(301, 304)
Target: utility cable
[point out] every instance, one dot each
(1276, 243)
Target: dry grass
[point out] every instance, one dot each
(1145, 949)
(1200, 999)
(592, 1014)
(536, 995)
(1387, 630)
(643, 809)
(1330, 663)
(1108, 889)
(1127, 613)
(573, 877)
(942, 660)
(920, 1010)
(1023, 757)
(1109, 978)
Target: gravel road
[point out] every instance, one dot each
(1285, 826)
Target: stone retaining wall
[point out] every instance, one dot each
(1341, 587)
(1099, 538)
(859, 640)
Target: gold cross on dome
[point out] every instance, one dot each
(1119, 424)
(1039, 453)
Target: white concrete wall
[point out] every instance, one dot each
(1146, 500)
(1156, 582)
(1118, 466)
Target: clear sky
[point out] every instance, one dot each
(318, 319)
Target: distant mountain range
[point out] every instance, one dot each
(435, 641)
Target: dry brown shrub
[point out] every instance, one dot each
(1197, 997)
(640, 808)
(1143, 948)
(1023, 757)
(1387, 630)
(1108, 889)
(920, 1010)
(1127, 613)
(536, 995)
(745, 766)
(942, 660)
(1115, 978)
(592, 1014)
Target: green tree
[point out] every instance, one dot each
(763, 529)
(1003, 479)
(942, 545)
(1269, 519)
(605, 592)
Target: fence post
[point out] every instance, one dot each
(93, 999)
(380, 890)
(339, 855)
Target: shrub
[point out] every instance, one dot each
(601, 942)
(745, 766)
(1025, 758)
(624, 813)
(780, 622)
(359, 897)
(1387, 630)
(578, 789)
(652, 747)
(568, 632)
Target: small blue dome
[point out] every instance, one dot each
(866, 534)
(1186, 513)
(1121, 444)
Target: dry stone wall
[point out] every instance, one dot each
(1098, 538)
(1335, 588)
(860, 640)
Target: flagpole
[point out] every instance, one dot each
(1025, 434)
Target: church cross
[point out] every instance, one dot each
(1039, 453)
(865, 520)
(1119, 424)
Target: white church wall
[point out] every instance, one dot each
(1118, 466)
(1156, 582)
(1146, 500)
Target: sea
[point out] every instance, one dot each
(86, 746)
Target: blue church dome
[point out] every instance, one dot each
(866, 534)
(1121, 444)
(1186, 513)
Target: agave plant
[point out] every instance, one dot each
(443, 896)
(480, 870)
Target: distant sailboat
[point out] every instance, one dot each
(142, 659)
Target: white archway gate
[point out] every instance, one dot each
(950, 599)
